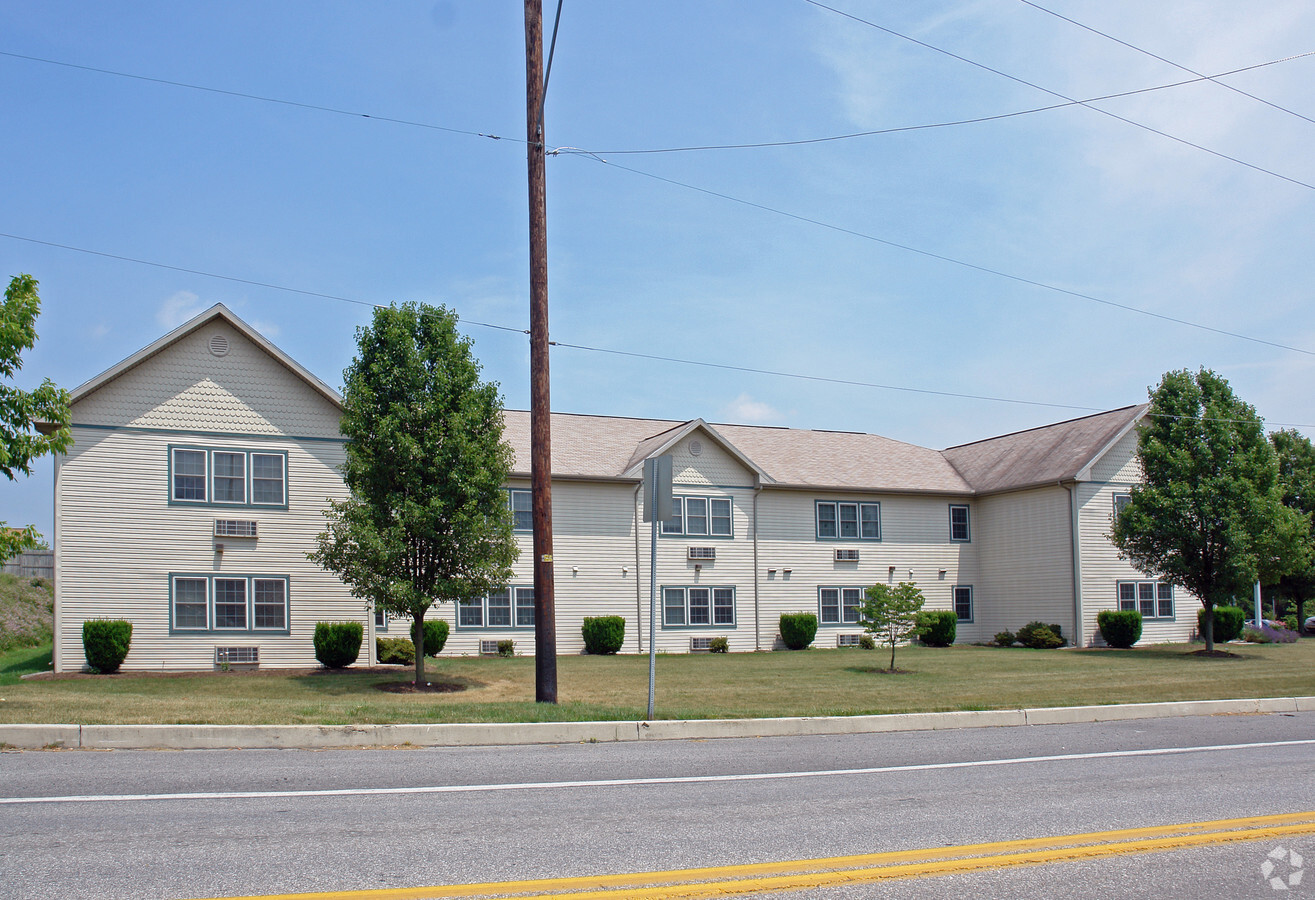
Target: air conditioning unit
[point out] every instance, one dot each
(237, 656)
(843, 555)
(697, 644)
(702, 552)
(235, 528)
(848, 640)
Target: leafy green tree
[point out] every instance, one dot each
(1209, 517)
(426, 519)
(1296, 476)
(21, 412)
(890, 614)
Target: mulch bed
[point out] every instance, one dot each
(429, 687)
(237, 671)
(1216, 654)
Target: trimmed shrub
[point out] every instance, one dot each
(395, 651)
(1119, 627)
(1039, 636)
(798, 629)
(436, 632)
(719, 645)
(603, 634)
(1291, 623)
(506, 648)
(106, 643)
(1004, 639)
(936, 627)
(866, 642)
(1267, 634)
(1228, 622)
(337, 644)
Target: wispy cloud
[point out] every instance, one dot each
(267, 328)
(178, 308)
(744, 410)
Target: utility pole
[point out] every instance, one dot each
(545, 610)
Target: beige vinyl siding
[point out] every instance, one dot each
(187, 388)
(1026, 557)
(1119, 464)
(119, 539)
(915, 535)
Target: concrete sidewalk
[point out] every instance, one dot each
(318, 737)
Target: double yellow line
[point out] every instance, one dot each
(852, 870)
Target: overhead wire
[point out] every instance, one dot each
(1086, 105)
(1145, 52)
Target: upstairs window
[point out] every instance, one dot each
(227, 477)
(959, 530)
(848, 520)
(700, 516)
(522, 510)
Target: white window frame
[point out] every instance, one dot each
(250, 590)
(954, 603)
(844, 613)
(967, 523)
(838, 518)
(521, 496)
(508, 602)
(717, 600)
(1147, 593)
(248, 479)
(715, 510)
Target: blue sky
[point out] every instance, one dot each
(378, 211)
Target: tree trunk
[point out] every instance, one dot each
(1209, 621)
(418, 638)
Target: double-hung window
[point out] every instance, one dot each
(223, 477)
(1153, 599)
(963, 602)
(848, 520)
(248, 603)
(839, 605)
(700, 516)
(522, 510)
(507, 608)
(959, 524)
(698, 606)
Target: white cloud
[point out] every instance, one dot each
(178, 308)
(268, 329)
(744, 410)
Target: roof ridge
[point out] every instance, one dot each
(1043, 427)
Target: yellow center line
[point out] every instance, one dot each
(857, 869)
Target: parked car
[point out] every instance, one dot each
(1310, 625)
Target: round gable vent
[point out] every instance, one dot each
(695, 448)
(219, 345)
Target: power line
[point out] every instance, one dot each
(1142, 50)
(262, 99)
(956, 122)
(1082, 103)
(582, 347)
(940, 256)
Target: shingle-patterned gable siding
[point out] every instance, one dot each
(186, 387)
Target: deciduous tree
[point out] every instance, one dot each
(1296, 476)
(890, 614)
(1209, 517)
(426, 519)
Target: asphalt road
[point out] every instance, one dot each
(446, 816)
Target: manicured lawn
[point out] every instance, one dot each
(807, 683)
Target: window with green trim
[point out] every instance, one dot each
(839, 605)
(228, 603)
(696, 606)
(700, 517)
(848, 520)
(225, 477)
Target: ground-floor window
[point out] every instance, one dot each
(839, 605)
(213, 602)
(695, 606)
(510, 607)
(1153, 599)
(963, 602)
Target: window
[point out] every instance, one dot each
(522, 510)
(1153, 599)
(508, 608)
(228, 477)
(963, 602)
(705, 516)
(698, 606)
(839, 520)
(959, 530)
(1120, 502)
(380, 619)
(839, 605)
(247, 603)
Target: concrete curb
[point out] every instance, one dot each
(317, 737)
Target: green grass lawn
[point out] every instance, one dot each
(806, 683)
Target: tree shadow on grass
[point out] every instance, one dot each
(878, 670)
(338, 684)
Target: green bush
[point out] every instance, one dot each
(798, 629)
(506, 648)
(337, 644)
(1228, 622)
(1004, 638)
(719, 645)
(1039, 636)
(936, 627)
(866, 642)
(105, 643)
(436, 631)
(1290, 621)
(603, 634)
(395, 651)
(1119, 627)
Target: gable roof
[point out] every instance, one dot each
(221, 312)
(1046, 455)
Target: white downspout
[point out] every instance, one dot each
(639, 598)
(757, 630)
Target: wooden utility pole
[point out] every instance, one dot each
(545, 611)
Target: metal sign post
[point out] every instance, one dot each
(657, 508)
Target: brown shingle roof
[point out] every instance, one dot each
(1045, 455)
